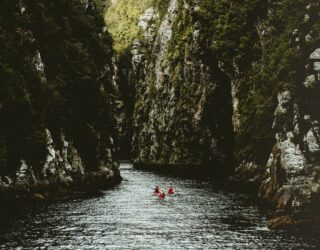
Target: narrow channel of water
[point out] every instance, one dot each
(200, 216)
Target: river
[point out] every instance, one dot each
(201, 215)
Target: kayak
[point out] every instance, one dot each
(170, 191)
(162, 196)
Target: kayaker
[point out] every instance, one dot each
(162, 195)
(157, 190)
(170, 190)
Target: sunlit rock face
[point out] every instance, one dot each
(147, 23)
(291, 182)
(62, 167)
(57, 100)
(178, 92)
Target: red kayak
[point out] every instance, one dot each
(170, 190)
(162, 195)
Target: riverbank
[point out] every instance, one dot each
(25, 193)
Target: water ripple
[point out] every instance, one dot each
(199, 216)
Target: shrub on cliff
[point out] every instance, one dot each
(122, 20)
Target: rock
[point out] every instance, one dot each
(310, 81)
(315, 55)
(316, 66)
(25, 176)
(147, 23)
(292, 159)
(249, 171)
(312, 142)
(281, 222)
(235, 103)
(39, 197)
(63, 168)
(308, 38)
(288, 181)
(137, 56)
(173, 99)
(22, 7)
(304, 224)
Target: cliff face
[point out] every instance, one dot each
(274, 74)
(178, 94)
(227, 80)
(57, 96)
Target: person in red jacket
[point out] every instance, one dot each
(156, 190)
(162, 195)
(170, 190)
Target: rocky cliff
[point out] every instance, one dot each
(228, 82)
(57, 97)
(183, 106)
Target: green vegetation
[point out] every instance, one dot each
(254, 44)
(236, 44)
(162, 7)
(76, 94)
(266, 64)
(122, 21)
(250, 42)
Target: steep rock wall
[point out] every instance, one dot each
(271, 60)
(57, 97)
(178, 94)
(198, 61)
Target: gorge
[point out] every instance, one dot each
(223, 86)
(225, 89)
